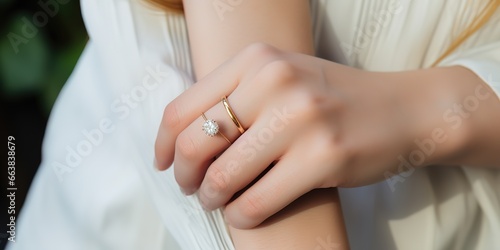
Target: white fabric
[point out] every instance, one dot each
(96, 187)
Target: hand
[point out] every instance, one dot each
(323, 124)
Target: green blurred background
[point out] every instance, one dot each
(39, 45)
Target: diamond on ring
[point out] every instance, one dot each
(210, 127)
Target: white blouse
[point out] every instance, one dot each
(97, 189)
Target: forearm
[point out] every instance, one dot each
(217, 34)
(314, 221)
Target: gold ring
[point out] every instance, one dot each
(232, 115)
(211, 128)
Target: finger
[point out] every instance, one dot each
(244, 161)
(283, 184)
(188, 106)
(183, 110)
(195, 151)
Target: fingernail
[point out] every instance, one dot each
(188, 192)
(204, 205)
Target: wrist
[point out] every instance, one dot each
(472, 119)
(439, 125)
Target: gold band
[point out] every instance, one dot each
(217, 128)
(232, 115)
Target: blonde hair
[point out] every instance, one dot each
(481, 19)
(169, 5)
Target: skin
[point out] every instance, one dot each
(315, 219)
(345, 128)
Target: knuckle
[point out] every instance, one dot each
(252, 206)
(171, 116)
(260, 50)
(255, 56)
(309, 105)
(217, 180)
(280, 72)
(186, 147)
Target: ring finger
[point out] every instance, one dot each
(195, 150)
(243, 161)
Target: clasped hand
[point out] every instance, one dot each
(318, 124)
